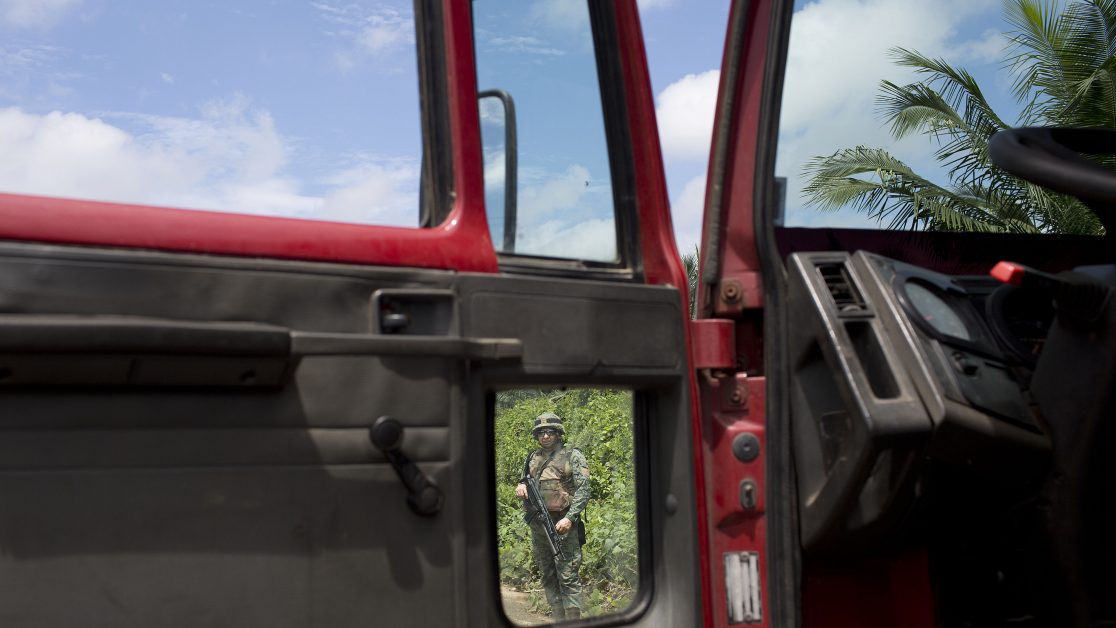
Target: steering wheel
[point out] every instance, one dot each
(1051, 157)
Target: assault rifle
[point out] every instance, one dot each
(536, 507)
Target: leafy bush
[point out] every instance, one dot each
(599, 424)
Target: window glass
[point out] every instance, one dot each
(304, 110)
(541, 54)
(889, 104)
(578, 447)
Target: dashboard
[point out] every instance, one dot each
(896, 368)
(991, 332)
(979, 313)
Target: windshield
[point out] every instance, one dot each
(888, 107)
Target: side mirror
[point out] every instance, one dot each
(498, 109)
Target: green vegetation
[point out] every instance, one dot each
(599, 423)
(1062, 59)
(692, 263)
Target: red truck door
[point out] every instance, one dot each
(230, 420)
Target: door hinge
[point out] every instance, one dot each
(714, 343)
(742, 584)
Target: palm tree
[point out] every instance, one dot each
(690, 261)
(1063, 59)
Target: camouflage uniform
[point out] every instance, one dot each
(564, 485)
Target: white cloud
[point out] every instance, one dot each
(166, 77)
(495, 171)
(374, 193)
(654, 4)
(14, 59)
(563, 214)
(492, 112)
(991, 47)
(687, 213)
(590, 240)
(523, 44)
(685, 113)
(561, 14)
(231, 158)
(371, 32)
(344, 61)
(839, 49)
(561, 192)
(32, 74)
(384, 31)
(34, 13)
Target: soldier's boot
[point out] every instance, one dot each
(559, 612)
(573, 613)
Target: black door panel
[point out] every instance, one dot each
(197, 499)
(187, 505)
(279, 546)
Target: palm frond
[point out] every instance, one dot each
(1038, 37)
(956, 87)
(948, 105)
(1062, 59)
(916, 108)
(1090, 49)
(889, 191)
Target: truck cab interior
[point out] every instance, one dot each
(952, 413)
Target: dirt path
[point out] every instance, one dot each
(518, 608)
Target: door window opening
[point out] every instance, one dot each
(572, 451)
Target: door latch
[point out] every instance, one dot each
(742, 583)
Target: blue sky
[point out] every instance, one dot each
(309, 108)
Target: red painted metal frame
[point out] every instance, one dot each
(739, 252)
(661, 263)
(659, 252)
(713, 340)
(461, 243)
(736, 404)
(733, 406)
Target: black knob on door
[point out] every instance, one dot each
(423, 495)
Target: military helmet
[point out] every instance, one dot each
(548, 419)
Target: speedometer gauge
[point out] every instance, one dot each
(937, 313)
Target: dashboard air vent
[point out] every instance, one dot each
(841, 288)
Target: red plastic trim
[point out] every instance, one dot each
(461, 243)
(1009, 272)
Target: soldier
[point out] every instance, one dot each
(563, 478)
